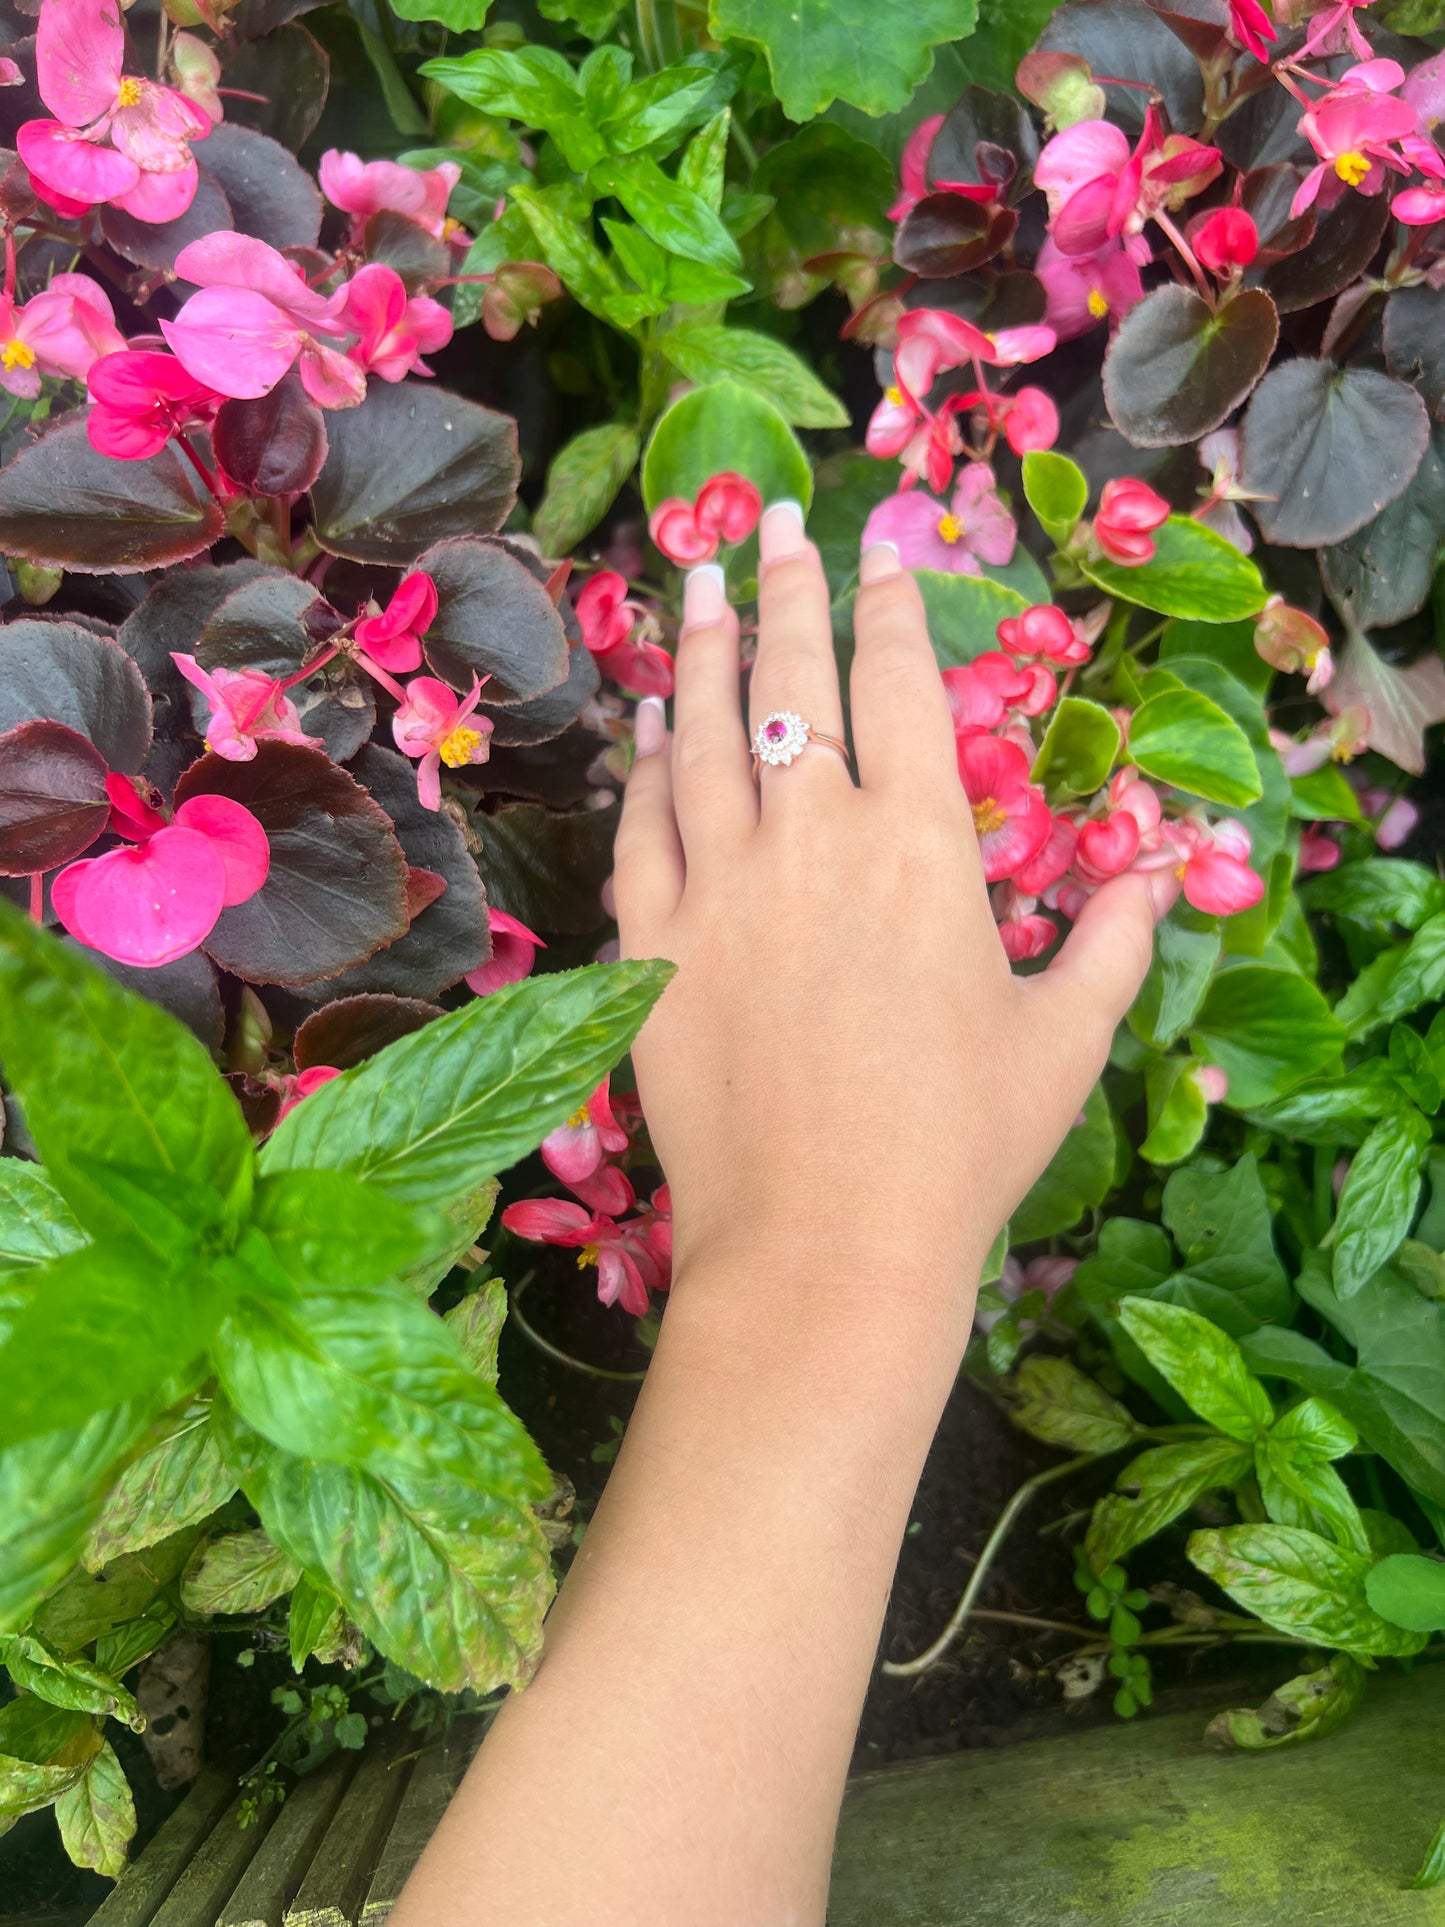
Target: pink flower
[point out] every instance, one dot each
(1219, 453)
(627, 1266)
(1098, 191)
(254, 317)
(1317, 851)
(1252, 27)
(392, 637)
(1397, 817)
(1011, 817)
(116, 138)
(1294, 643)
(1419, 206)
(1051, 861)
(246, 708)
(1337, 739)
(1216, 874)
(1128, 511)
(363, 188)
(622, 637)
(973, 528)
(604, 611)
(295, 1089)
(141, 398)
(59, 331)
(157, 900)
(1085, 289)
(1107, 846)
(1225, 240)
(1031, 421)
(1357, 129)
(437, 725)
(514, 951)
(726, 509)
(1043, 634)
(1338, 21)
(1023, 933)
(913, 168)
(930, 341)
(575, 1149)
(395, 330)
(1212, 1083)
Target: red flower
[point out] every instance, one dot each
(622, 637)
(1226, 239)
(393, 635)
(627, 1265)
(141, 399)
(1011, 817)
(1043, 634)
(1128, 511)
(1107, 846)
(1252, 27)
(575, 1149)
(514, 951)
(1031, 421)
(726, 508)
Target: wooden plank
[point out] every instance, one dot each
(332, 1893)
(428, 1793)
(274, 1877)
(216, 1866)
(1142, 1826)
(135, 1897)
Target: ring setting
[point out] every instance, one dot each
(783, 735)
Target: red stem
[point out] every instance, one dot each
(375, 669)
(1187, 253)
(212, 486)
(37, 896)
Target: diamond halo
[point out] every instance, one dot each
(780, 737)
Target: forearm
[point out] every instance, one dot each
(681, 1752)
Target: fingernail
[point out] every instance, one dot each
(879, 563)
(704, 596)
(1163, 890)
(781, 531)
(650, 726)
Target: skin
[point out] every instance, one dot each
(849, 1091)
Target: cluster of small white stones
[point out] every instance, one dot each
(780, 737)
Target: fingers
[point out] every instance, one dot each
(650, 870)
(796, 669)
(714, 797)
(902, 729)
(1086, 991)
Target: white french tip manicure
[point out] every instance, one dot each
(787, 506)
(709, 572)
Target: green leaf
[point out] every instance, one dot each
(585, 478)
(326, 1228)
(569, 250)
(1183, 738)
(1378, 1201)
(656, 110)
(1432, 1868)
(819, 51)
(117, 1651)
(1052, 1400)
(178, 1480)
(1156, 1489)
(1194, 572)
(704, 159)
(811, 194)
(1301, 1584)
(1202, 1363)
(705, 352)
(1409, 1591)
(1177, 365)
(122, 1324)
(1079, 748)
(1299, 1488)
(1177, 1111)
(476, 1323)
(1307, 1707)
(964, 612)
(1357, 1011)
(1414, 1068)
(1315, 1428)
(242, 1572)
(87, 1608)
(43, 1751)
(1221, 1222)
(1228, 647)
(1079, 1176)
(1324, 796)
(533, 84)
(51, 1488)
(96, 1816)
(1381, 891)
(675, 217)
(314, 1621)
(1057, 491)
(35, 1222)
(448, 1580)
(1178, 979)
(1419, 977)
(724, 426)
(123, 1103)
(401, 104)
(431, 1116)
(75, 1683)
(1267, 1029)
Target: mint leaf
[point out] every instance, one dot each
(178, 1479)
(1300, 1583)
(1202, 1363)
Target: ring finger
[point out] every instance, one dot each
(796, 674)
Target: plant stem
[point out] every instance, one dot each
(910, 1668)
(549, 1350)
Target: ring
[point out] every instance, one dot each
(783, 735)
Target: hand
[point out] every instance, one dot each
(845, 1061)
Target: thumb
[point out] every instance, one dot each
(1086, 991)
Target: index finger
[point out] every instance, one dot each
(902, 726)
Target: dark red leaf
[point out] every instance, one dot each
(67, 674)
(53, 803)
(352, 1029)
(274, 445)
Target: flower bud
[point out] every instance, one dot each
(1128, 511)
(1293, 642)
(1225, 240)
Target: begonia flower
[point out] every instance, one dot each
(1129, 510)
(1107, 846)
(294, 1090)
(1010, 815)
(1098, 190)
(514, 951)
(622, 637)
(1317, 851)
(1359, 130)
(1219, 453)
(247, 708)
(576, 1148)
(955, 538)
(1043, 634)
(363, 188)
(726, 509)
(1225, 240)
(395, 330)
(61, 331)
(1294, 643)
(913, 167)
(1051, 861)
(1084, 290)
(1215, 868)
(1251, 26)
(1337, 22)
(626, 1265)
(197, 74)
(117, 137)
(140, 399)
(931, 341)
(604, 611)
(438, 726)
(392, 636)
(1396, 817)
(1023, 932)
(1031, 421)
(158, 898)
(515, 297)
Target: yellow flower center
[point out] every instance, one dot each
(457, 745)
(130, 92)
(895, 395)
(588, 1255)
(950, 528)
(450, 226)
(578, 1119)
(1340, 754)
(1098, 304)
(16, 354)
(1352, 166)
(989, 815)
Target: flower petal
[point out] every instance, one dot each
(151, 903)
(237, 838)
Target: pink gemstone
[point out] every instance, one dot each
(776, 731)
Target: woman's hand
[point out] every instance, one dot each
(845, 1062)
